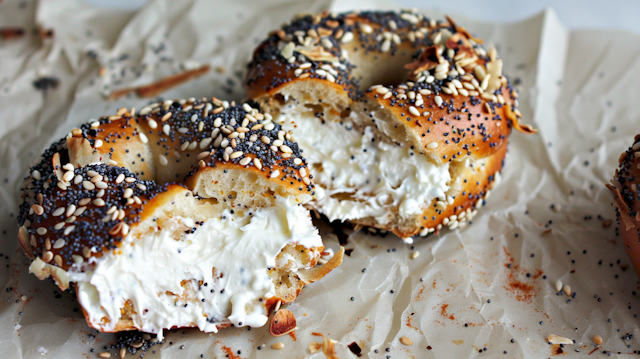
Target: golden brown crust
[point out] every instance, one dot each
(463, 128)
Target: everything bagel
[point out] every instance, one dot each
(186, 214)
(404, 120)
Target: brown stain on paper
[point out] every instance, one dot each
(523, 290)
(444, 313)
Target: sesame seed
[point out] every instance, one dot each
(88, 185)
(166, 129)
(438, 100)
(67, 176)
(414, 111)
(98, 144)
(278, 346)
(432, 145)
(275, 174)
(382, 90)
(236, 154)
(47, 257)
(415, 254)
(163, 160)
(558, 285)
(166, 116)
(70, 210)
(104, 355)
(286, 149)
(597, 339)
(59, 243)
(245, 161)
(38, 209)
(405, 340)
(128, 192)
(152, 123)
(98, 202)
(257, 163)
(143, 137)
(41, 231)
(58, 212)
(347, 37)
(386, 45)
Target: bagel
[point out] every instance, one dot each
(624, 187)
(403, 151)
(183, 215)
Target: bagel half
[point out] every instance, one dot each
(404, 120)
(184, 215)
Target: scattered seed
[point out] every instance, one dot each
(406, 341)
(597, 339)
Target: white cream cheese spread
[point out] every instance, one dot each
(357, 175)
(224, 262)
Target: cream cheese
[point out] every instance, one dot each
(361, 176)
(241, 248)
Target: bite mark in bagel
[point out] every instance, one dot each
(187, 214)
(404, 152)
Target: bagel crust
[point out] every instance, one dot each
(422, 84)
(176, 171)
(624, 186)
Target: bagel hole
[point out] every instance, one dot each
(380, 69)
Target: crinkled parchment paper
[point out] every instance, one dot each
(490, 285)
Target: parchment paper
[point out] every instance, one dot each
(490, 285)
